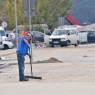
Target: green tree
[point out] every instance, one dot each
(9, 10)
(48, 11)
(43, 11)
(59, 9)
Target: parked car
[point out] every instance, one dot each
(39, 36)
(90, 35)
(7, 45)
(64, 37)
(5, 42)
(2, 32)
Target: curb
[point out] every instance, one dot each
(5, 65)
(7, 54)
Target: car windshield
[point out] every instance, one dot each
(60, 32)
(2, 32)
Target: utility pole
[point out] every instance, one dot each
(29, 10)
(16, 22)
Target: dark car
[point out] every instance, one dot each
(38, 36)
(90, 35)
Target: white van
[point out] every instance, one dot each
(64, 37)
(1, 42)
(6, 43)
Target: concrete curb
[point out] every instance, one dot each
(5, 65)
(9, 59)
(7, 54)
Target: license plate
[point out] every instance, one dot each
(56, 42)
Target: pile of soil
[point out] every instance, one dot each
(51, 60)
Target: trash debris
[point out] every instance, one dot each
(51, 60)
(2, 58)
(86, 56)
(38, 44)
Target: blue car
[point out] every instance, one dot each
(38, 36)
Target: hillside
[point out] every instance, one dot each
(84, 10)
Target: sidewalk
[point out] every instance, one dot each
(7, 52)
(75, 76)
(66, 88)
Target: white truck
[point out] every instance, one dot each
(7, 44)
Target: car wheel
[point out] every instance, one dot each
(5, 47)
(77, 43)
(61, 45)
(67, 43)
(52, 45)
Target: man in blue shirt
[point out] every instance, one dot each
(22, 50)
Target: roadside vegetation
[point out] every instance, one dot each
(47, 12)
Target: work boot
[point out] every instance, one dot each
(25, 79)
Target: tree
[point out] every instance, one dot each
(9, 10)
(43, 11)
(59, 9)
(47, 12)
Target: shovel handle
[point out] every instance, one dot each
(31, 64)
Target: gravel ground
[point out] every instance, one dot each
(77, 65)
(72, 74)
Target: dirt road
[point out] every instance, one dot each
(78, 66)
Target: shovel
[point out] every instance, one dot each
(33, 77)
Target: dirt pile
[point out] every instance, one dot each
(50, 60)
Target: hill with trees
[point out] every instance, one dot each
(84, 11)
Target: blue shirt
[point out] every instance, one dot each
(22, 46)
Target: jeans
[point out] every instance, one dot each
(21, 66)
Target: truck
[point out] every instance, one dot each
(6, 43)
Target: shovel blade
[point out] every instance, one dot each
(34, 77)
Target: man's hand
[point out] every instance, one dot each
(29, 46)
(29, 56)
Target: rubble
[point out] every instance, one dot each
(38, 45)
(2, 58)
(86, 56)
